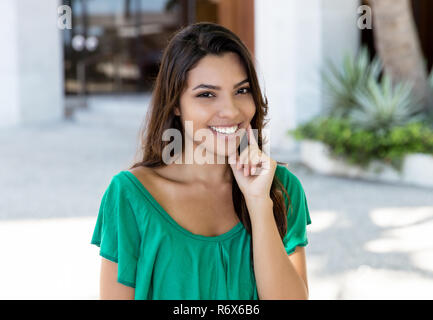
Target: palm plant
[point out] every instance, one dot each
(382, 105)
(355, 73)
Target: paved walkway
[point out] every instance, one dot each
(367, 240)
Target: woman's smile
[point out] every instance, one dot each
(226, 132)
(226, 129)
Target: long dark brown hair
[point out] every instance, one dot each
(182, 53)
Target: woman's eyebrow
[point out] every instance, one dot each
(209, 86)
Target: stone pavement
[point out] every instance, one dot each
(367, 240)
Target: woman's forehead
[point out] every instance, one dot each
(222, 70)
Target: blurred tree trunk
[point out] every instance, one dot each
(397, 43)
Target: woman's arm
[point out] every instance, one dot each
(109, 288)
(278, 276)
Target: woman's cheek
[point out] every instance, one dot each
(251, 111)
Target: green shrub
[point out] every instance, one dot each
(360, 146)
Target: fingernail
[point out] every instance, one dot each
(253, 170)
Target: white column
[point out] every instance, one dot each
(31, 63)
(340, 32)
(276, 64)
(309, 53)
(293, 41)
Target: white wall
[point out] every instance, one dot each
(275, 61)
(9, 111)
(31, 62)
(293, 39)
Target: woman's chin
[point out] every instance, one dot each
(225, 153)
(222, 157)
(217, 154)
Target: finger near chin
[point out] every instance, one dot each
(243, 157)
(249, 156)
(256, 160)
(246, 170)
(239, 165)
(231, 159)
(261, 171)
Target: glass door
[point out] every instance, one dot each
(115, 45)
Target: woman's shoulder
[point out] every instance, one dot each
(125, 195)
(127, 184)
(149, 176)
(131, 177)
(142, 174)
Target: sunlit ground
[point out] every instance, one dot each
(48, 259)
(405, 230)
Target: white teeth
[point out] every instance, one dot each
(225, 130)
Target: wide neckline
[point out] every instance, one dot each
(167, 216)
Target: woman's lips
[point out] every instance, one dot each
(226, 126)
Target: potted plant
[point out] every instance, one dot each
(372, 128)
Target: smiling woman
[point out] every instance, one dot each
(230, 228)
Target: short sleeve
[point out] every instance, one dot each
(298, 215)
(116, 232)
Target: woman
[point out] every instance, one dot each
(233, 227)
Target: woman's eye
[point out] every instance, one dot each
(244, 90)
(205, 95)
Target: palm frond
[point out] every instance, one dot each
(341, 83)
(382, 105)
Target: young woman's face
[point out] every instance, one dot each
(217, 100)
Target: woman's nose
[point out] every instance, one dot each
(229, 109)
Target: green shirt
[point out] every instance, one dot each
(162, 260)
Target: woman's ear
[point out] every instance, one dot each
(177, 111)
